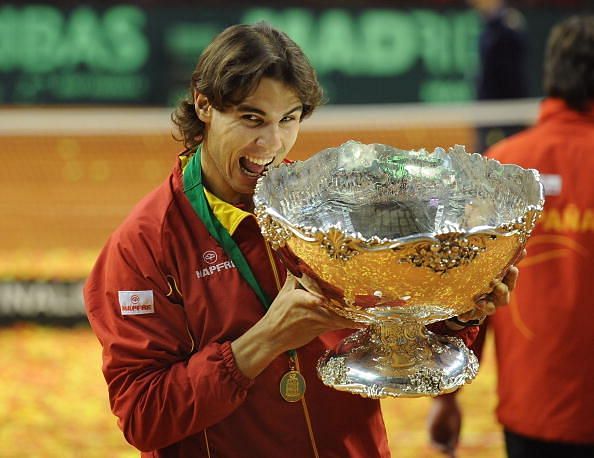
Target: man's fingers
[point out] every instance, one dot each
(316, 302)
(511, 277)
(310, 284)
(290, 282)
(500, 289)
(486, 307)
(500, 295)
(446, 449)
(339, 321)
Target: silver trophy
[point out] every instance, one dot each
(398, 240)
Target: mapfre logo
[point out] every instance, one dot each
(209, 257)
(211, 266)
(136, 302)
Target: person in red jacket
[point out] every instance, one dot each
(544, 339)
(209, 346)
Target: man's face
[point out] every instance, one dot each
(242, 141)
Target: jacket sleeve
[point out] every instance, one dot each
(160, 388)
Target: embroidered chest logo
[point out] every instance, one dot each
(209, 257)
(211, 266)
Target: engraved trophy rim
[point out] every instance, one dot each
(374, 243)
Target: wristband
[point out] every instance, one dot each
(464, 324)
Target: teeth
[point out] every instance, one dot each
(258, 161)
(247, 172)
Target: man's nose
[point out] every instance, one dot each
(270, 138)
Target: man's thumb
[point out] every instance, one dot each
(290, 282)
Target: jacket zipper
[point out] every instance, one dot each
(206, 443)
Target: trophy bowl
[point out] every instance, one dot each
(398, 240)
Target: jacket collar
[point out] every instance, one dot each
(554, 108)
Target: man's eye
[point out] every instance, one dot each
(288, 119)
(251, 118)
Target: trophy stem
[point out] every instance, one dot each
(398, 358)
(398, 341)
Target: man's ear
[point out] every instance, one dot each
(203, 107)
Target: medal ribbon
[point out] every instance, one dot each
(194, 190)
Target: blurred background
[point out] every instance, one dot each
(86, 92)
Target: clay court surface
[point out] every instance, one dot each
(53, 403)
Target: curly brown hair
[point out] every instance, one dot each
(569, 62)
(231, 67)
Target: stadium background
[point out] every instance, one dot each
(86, 90)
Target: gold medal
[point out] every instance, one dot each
(292, 386)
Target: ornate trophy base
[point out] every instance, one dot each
(398, 358)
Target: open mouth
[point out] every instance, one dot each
(254, 167)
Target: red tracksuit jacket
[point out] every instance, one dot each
(545, 338)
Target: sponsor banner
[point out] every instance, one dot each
(34, 300)
(364, 52)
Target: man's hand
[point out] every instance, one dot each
(500, 295)
(443, 424)
(295, 317)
